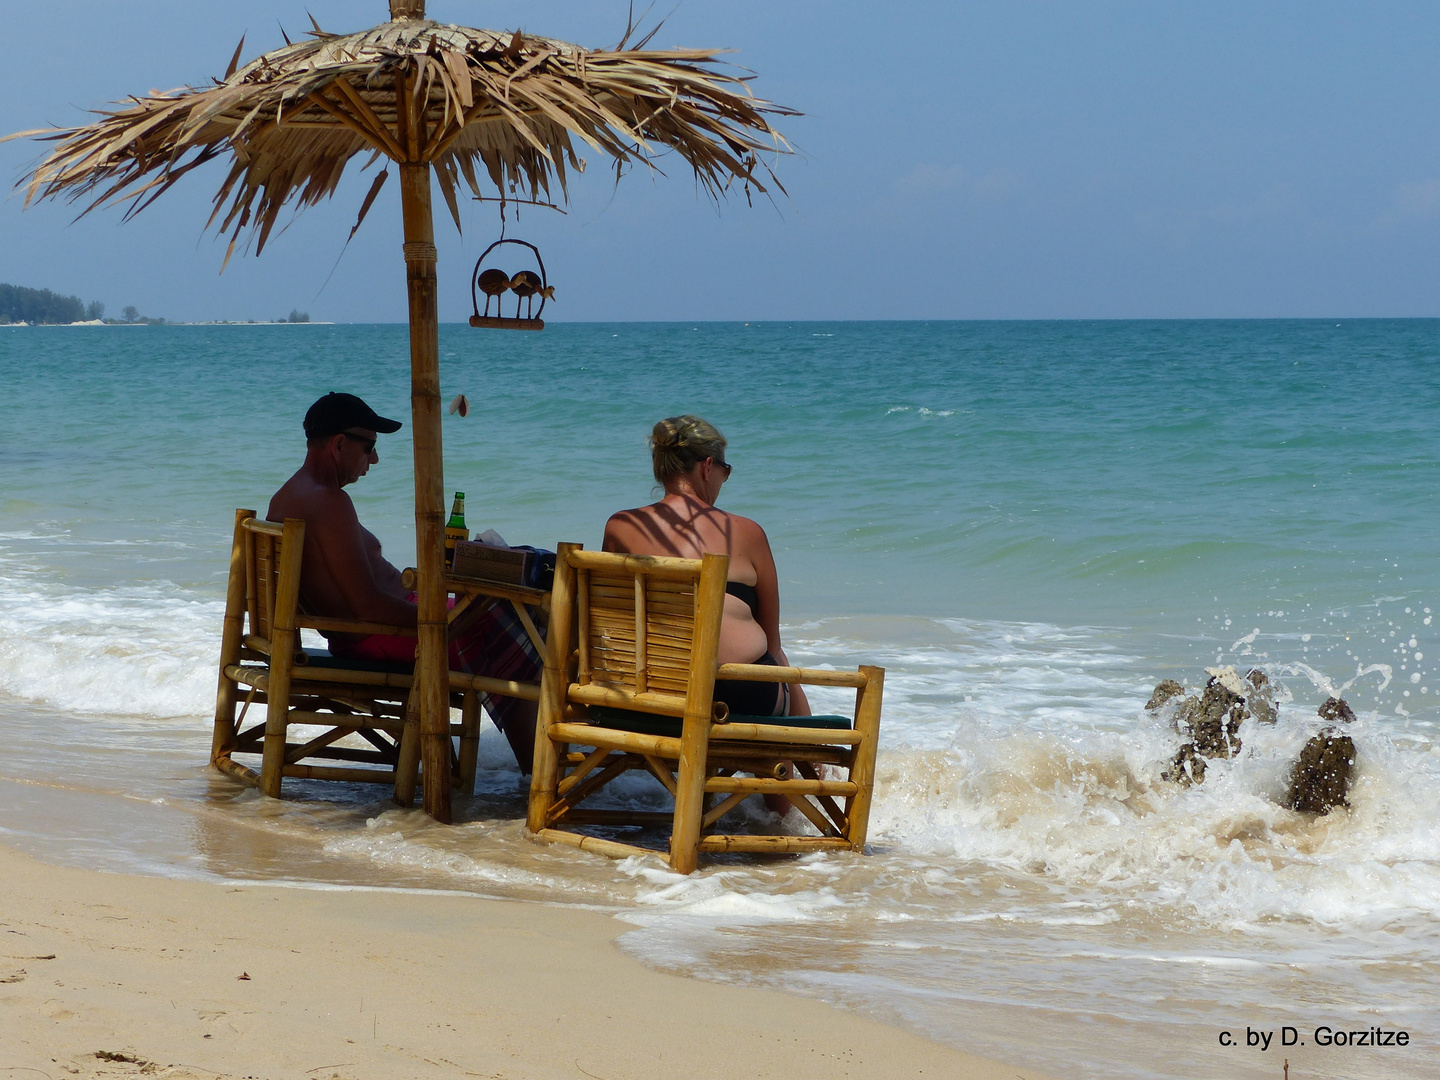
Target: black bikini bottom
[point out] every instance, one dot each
(754, 698)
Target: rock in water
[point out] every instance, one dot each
(1320, 780)
(1261, 701)
(1187, 768)
(1218, 719)
(1337, 711)
(1164, 691)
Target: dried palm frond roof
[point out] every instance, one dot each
(413, 90)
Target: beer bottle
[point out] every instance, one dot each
(455, 528)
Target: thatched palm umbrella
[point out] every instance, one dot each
(426, 96)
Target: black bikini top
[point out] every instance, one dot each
(746, 593)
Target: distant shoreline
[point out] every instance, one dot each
(218, 322)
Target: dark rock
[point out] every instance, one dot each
(1261, 703)
(1164, 691)
(1187, 768)
(1217, 720)
(1186, 712)
(1320, 780)
(1335, 710)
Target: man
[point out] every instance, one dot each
(345, 575)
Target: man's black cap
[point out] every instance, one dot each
(335, 413)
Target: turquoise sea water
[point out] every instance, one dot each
(1028, 524)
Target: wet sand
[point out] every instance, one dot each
(117, 975)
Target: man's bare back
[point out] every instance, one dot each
(343, 570)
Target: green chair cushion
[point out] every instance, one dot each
(321, 658)
(643, 723)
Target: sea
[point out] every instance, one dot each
(1027, 524)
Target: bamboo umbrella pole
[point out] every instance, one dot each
(433, 664)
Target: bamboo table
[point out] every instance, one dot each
(474, 596)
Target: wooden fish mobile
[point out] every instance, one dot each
(495, 283)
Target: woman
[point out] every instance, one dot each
(689, 461)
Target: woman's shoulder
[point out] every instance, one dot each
(747, 528)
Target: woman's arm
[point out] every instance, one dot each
(756, 545)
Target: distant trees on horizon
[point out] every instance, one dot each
(19, 304)
(43, 307)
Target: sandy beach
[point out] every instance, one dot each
(114, 975)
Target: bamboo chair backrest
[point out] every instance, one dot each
(637, 619)
(265, 560)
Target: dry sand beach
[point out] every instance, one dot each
(113, 975)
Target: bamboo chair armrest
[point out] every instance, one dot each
(810, 676)
(352, 626)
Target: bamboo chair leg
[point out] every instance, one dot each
(223, 741)
(469, 741)
(545, 769)
(283, 640)
(693, 766)
(862, 771)
(407, 768)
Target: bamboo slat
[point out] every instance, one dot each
(284, 640)
(516, 594)
(695, 732)
(582, 598)
(639, 624)
(613, 848)
(232, 633)
(796, 736)
(258, 644)
(815, 817)
(536, 638)
(347, 753)
(769, 785)
(809, 676)
(238, 771)
(830, 806)
(332, 772)
(663, 774)
(720, 809)
(773, 845)
(591, 762)
(658, 565)
(592, 784)
(460, 680)
(469, 743)
(345, 722)
(862, 772)
(590, 735)
(300, 751)
(553, 681)
(661, 704)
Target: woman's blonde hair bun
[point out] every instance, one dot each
(679, 443)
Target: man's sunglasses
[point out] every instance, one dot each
(364, 440)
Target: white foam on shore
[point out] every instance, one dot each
(133, 651)
(1023, 748)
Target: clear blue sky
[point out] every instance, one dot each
(958, 160)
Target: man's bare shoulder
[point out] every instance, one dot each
(317, 505)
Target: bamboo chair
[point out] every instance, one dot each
(310, 687)
(646, 631)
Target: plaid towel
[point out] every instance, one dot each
(496, 645)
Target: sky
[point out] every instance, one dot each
(1005, 160)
